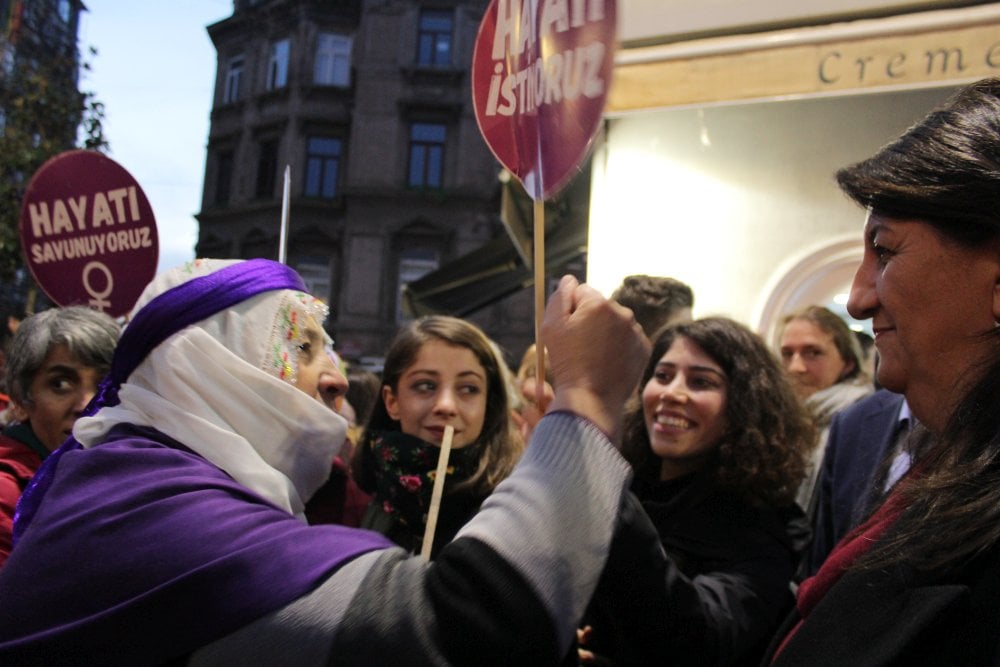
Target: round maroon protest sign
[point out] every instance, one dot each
(88, 232)
(540, 77)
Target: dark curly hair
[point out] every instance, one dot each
(762, 455)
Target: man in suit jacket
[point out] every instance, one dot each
(861, 437)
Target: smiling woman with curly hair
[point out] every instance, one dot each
(762, 450)
(718, 441)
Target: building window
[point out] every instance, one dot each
(234, 76)
(322, 167)
(223, 177)
(426, 155)
(414, 264)
(277, 69)
(434, 36)
(65, 10)
(333, 60)
(267, 169)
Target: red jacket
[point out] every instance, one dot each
(18, 464)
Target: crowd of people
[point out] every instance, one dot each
(206, 486)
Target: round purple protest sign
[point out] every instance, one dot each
(88, 232)
(540, 77)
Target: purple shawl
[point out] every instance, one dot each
(143, 552)
(140, 551)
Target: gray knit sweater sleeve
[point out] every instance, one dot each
(509, 589)
(554, 519)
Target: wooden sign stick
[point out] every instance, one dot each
(539, 234)
(432, 514)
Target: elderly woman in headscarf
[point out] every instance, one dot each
(169, 528)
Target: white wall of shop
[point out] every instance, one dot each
(731, 198)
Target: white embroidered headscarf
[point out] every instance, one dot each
(222, 387)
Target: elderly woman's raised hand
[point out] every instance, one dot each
(596, 353)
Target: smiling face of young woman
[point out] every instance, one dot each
(444, 386)
(684, 407)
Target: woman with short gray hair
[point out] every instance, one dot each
(53, 366)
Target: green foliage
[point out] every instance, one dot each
(42, 113)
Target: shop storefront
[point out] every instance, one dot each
(717, 161)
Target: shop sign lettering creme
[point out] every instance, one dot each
(775, 69)
(839, 66)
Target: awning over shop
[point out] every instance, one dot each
(502, 266)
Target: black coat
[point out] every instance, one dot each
(709, 585)
(883, 618)
(860, 438)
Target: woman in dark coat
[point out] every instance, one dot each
(718, 442)
(919, 582)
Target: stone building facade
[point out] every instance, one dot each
(368, 104)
